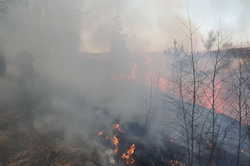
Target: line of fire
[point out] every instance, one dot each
(124, 83)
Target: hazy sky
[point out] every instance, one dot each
(153, 24)
(225, 14)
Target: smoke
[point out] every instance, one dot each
(64, 88)
(78, 66)
(55, 38)
(148, 26)
(49, 66)
(48, 45)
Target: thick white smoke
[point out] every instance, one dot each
(75, 88)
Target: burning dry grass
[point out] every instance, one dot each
(132, 150)
(127, 157)
(119, 145)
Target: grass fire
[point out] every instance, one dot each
(124, 83)
(126, 156)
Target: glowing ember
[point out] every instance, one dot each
(128, 156)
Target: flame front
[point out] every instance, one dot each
(128, 156)
(115, 141)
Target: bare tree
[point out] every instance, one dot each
(216, 40)
(194, 90)
(182, 107)
(240, 105)
(248, 128)
(148, 107)
(239, 111)
(187, 90)
(209, 44)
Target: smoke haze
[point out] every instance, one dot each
(48, 46)
(55, 33)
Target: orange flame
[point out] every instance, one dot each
(219, 99)
(128, 156)
(116, 141)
